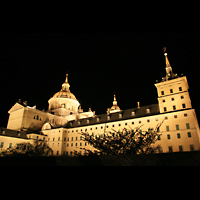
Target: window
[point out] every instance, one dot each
(175, 116)
(189, 134)
(184, 106)
(148, 120)
(158, 130)
(120, 115)
(119, 124)
(165, 109)
(170, 149)
(167, 128)
(2, 145)
(178, 135)
(37, 117)
(10, 145)
(53, 139)
(191, 147)
(71, 144)
(126, 124)
(76, 138)
(173, 99)
(163, 93)
(166, 118)
(177, 127)
(65, 139)
(97, 119)
(180, 148)
(108, 118)
(76, 144)
(133, 114)
(182, 97)
(59, 139)
(185, 115)
(113, 126)
(140, 122)
(159, 137)
(180, 89)
(171, 91)
(133, 123)
(164, 101)
(58, 144)
(174, 107)
(168, 137)
(72, 139)
(57, 153)
(81, 144)
(148, 111)
(188, 126)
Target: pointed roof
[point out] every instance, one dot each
(169, 72)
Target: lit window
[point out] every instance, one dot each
(108, 118)
(133, 114)
(120, 115)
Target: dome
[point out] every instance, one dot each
(64, 94)
(115, 108)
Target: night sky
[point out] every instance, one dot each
(33, 67)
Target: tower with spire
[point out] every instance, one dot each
(173, 91)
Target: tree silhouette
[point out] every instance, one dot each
(127, 141)
(37, 149)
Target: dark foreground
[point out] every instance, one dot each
(174, 159)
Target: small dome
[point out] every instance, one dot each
(115, 108)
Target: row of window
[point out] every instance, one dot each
(178, 136)
(173, 99)
(37, 118)
(172, 91)
(174, 107)
(72, 144)
(181, 148)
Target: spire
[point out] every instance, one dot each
(169, 72)
(115, 100)
(66, 85)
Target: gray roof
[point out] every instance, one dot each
(126, 114)
(12, 133)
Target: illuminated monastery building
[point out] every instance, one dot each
(62, 124)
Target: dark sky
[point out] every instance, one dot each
(33, 67)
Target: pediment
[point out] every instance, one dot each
(17, 106)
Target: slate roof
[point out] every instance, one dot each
(11, 133)
(126, 114)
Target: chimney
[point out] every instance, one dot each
(138, 104)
